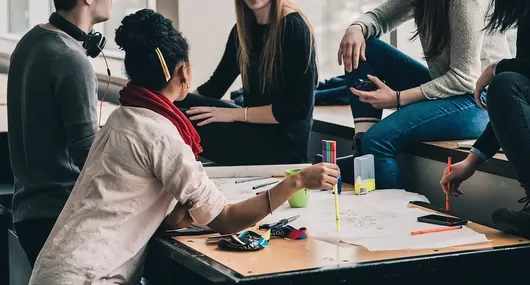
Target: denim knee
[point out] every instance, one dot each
(503, 87)
(375, 142)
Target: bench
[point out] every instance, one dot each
(337, 121)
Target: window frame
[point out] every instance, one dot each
(39, 12)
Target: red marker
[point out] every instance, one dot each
(447, 206)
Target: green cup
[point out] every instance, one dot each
(301, 198)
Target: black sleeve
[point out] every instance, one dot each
(487, 143)
(295, 102)
(520, 64)
(225, 73)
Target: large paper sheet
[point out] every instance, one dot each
(236, 192)
(251, 171)
(378, 221)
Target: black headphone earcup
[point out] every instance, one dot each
(94, 44)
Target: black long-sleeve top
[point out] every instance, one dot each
(293, 99)
(487, 143)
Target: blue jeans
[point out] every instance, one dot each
(453, 118)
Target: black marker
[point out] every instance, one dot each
(263, 185)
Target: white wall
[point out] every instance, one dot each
(206, 24)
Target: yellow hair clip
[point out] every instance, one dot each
(163, 64)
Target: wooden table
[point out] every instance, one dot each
(312, 261)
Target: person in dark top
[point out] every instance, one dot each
(508, 105)
(52, 99)
(272, 48)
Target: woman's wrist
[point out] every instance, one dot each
(358, 26)
(474, 160)
(398, 99)
(296, 182)
(238, 114)
(410, 96)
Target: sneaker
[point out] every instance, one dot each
(357, 147)
(514, 222)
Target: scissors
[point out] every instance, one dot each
(280, 223)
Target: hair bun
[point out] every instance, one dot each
(142, 31)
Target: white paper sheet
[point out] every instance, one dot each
(251, 171)
(236, 192)
(379, 220)
(401, 241)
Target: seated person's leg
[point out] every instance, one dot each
(453, 118)
(508, 104)
(332, 96)
(239, 143)
(398, 70)
(331, 83)
(245, 144)
(195, 100)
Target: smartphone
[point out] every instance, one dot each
(442, 220)
(364, 85)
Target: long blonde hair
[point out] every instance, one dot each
(271, 57)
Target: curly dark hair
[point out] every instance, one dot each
(139, 35)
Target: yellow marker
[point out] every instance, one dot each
(335, 191)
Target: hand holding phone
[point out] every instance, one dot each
(364, 85)
(442, 220)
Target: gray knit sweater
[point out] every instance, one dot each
(469, 52)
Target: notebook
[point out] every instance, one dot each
(469, 145)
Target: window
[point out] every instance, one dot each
(120, 9)
(330, 19)
(18, 16)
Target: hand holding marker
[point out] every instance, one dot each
(329, 153)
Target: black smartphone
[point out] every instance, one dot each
(364, 85)
(442, 220)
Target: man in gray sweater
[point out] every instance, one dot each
(52, 100)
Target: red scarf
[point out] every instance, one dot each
(136, 96)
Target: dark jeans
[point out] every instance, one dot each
(239, 143)
(331, 92)
(508, 101)
(32, 235)
(453, 118)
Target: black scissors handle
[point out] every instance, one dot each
(280, 223)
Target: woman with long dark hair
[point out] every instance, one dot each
(272, 48)
(433, 102)
(142, 173)
(508, 106)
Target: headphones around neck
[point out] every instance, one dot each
(93, 42)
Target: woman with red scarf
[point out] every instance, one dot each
(142, 171)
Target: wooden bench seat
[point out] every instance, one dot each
(338, 121)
